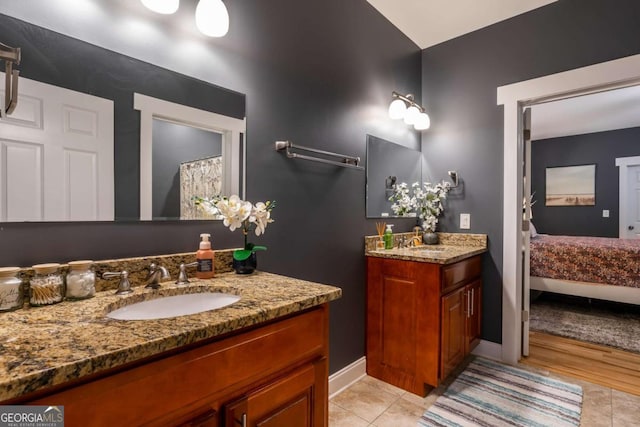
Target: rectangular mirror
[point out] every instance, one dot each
(388, 163)
(109, 159)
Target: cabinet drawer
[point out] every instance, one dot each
(172, 387)
(456, 275)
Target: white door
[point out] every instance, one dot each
(526, 218)
(56, 156)
(632, 226)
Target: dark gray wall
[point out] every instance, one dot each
(601, 149)
(317, 72)
(459, 81)
(174, 144)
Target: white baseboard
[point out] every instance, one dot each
(351, 373)
(489, 349)
(347, 376)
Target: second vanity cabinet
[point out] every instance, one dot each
(273, 375)
(422, 319)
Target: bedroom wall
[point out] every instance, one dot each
(317, 72)
(601, 149)
(459, 81)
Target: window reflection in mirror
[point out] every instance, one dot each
(387, 164)
(192, 152)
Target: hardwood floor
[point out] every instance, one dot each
(610, 367)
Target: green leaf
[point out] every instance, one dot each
(259, 248)
(241, 254)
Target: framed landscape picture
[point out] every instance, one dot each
(571, 186)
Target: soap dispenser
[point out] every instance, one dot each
(204, 258)
(388, 237)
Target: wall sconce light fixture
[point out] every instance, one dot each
(212, 17)
(406, 108)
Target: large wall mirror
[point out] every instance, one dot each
(163, 137)
(387, 164)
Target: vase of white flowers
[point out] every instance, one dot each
(240, 214)
(425, 200)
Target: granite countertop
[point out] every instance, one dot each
(45, 346)
(453, 247)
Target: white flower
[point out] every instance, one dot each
(260, 216)
(426, 201)
(234, 211)
(238, 213)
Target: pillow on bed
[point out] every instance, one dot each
(532, 230)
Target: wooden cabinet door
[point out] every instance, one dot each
(286, 402)
(474, 327)
(453, 345)
(403, 323)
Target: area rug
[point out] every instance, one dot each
(595, 321)
(491, 394)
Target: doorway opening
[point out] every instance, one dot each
(515, 97)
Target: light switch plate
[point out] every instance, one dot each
(465, 221)
(605, 213)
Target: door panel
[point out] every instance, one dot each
(633, 202)
(474, 315)
(74, 133)
(21, 176)
(285, 402)
(454, 313)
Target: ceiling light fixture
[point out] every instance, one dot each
(212, 18)
(406, 108)
(166, 7)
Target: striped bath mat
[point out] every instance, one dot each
(492, 394)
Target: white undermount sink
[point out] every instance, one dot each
(174, 306)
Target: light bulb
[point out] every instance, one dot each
(212, 18)
(423, 122)
(166, 7)
(397, 109)
(411, 115)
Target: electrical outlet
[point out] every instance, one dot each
(605, 213)
(465, 221)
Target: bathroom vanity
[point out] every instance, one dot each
(262, 360)
(423, 311)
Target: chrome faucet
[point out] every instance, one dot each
(413, 241)
(183, 279)
(157, 274)
(124, 287)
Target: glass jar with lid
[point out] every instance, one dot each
(46, 285)
(11, 297)
(81, 280)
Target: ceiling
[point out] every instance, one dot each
(613, 109)
(429, 22)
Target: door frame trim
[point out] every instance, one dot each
(624, 163)
(593, 78)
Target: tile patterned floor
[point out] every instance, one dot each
(372, 403)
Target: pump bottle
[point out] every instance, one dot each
(388, 237)
(204, 257)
